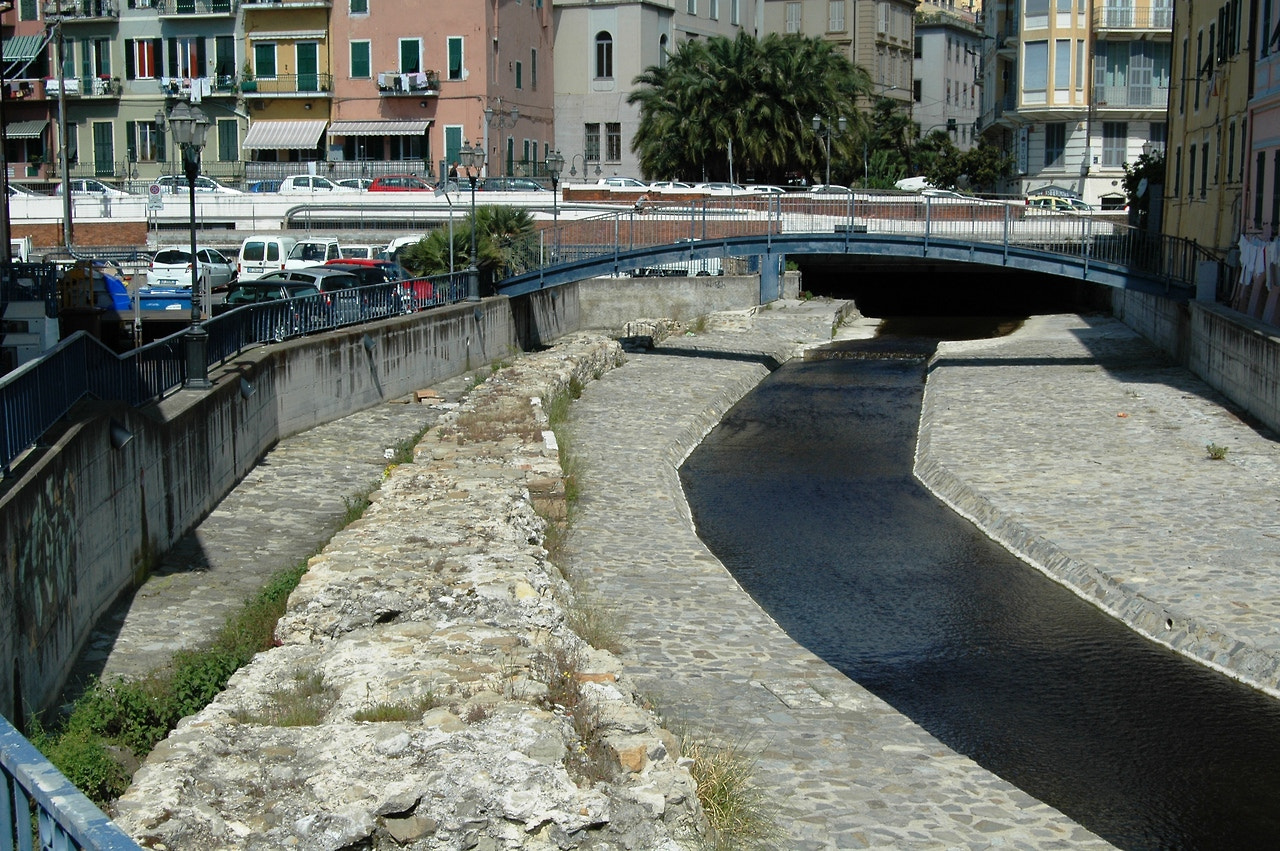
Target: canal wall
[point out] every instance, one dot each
(85, 516)
(1233, 353)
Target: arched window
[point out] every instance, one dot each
(662, 51)
(604, 55)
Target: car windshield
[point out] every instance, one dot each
(308, 251)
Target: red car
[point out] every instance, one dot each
(399, 183)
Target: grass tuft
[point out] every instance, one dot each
(736, 809)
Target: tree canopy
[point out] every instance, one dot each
(756, 97)
(506, 244)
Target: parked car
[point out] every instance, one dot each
(913, 184)
(671, 185)
(622, 183)
(312, 251)
(15, 190)
(830, 189)
(262, 253)
(277, 286)
(357, 183)
(304, 184)
(399, 183)
(765, 189)
(343, 305)
(510, 184)
(1058, 204)
(264, 186)
(360, 252)
(171, 267)
(89, 187)
(416, 292)
(720, 188)
(176, 184)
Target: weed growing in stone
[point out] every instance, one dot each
(303, 703)
(736, 809)
(561, 670)
(1216, 452)
(405, 710)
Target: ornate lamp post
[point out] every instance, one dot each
(825, 129)
(471, 159)
(555, 165)
(189, 126)
(501, 120)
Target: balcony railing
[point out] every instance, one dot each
(289, 84)
(1131, 97)
(392, 83)
(185, 87)
(81, 9)
(204, 8)
(1115, 17)
(86, 87)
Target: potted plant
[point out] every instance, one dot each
(247, 83)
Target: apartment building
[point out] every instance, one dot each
(947, 70)
(601, 46)
(1073, 90)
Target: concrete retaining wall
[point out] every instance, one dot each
(613, 302)
(1236, 355)
(82, 521)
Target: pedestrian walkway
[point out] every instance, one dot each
(841, 767)
(278, 515)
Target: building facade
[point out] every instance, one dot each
(1074, 90)
(947, 69)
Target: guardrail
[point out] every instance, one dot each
(39, 808)
(37, 394)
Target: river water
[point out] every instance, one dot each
(805, 493)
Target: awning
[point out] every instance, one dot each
(379, 128)
(22, 48)
(26, 129)
(284, 135)
(290, 35)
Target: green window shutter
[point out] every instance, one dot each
(361, 65)
(455, 58)
(228, 140)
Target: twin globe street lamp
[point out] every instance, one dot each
(472, 160)
(555, 165)
(190, 126)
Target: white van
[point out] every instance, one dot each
(263, 253)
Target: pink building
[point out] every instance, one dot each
(411, 87)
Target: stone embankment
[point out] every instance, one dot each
(439, 616)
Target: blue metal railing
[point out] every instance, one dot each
(39, 808)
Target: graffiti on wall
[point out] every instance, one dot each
(42, 558)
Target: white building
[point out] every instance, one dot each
(948, 81)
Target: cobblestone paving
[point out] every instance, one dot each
(843, 768)
(279, 514)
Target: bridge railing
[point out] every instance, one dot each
(39, 808)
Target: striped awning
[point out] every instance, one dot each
(22, 48)
(26, 129)
(284, 135)
(379, 128)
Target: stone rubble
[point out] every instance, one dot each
(440, 603)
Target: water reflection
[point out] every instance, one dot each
(864, 567)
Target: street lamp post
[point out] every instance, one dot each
(189, 126)
(555, 165)
(470, 159)
(501, 120)
(573, 167)
(825, 130)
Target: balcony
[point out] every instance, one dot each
(194, 8)
(1144, 98)
(83, 87)
(417, 84)
(269, 5)
(72, 11)
(1110, 18)
(194, 88)
(289, 85)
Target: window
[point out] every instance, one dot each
(1177, 171)
(104, 157)
(186, 57)
(1061, 69)
(28, 10)
(793, 18)
(591, 143)
(835, 16)
(1037, 14)
(1275, 190)
(1055, 142)
(734, 12)
(882, 18)
(228, 140)
(264, 60)
(533, 69)
(405, 147)
(359, 7)
(141, 59)
(410, 55)
(1035, 74)
(604, 56)
(145, 142)
(919, 53)
(361, 61)
(714, 12)
(692, 7)
(456, 67)
(1115, 136)
(1259, 183)
(95, 57)
(1191, 172)
(613, 142)
(452, 143)
(224, 59)
(1158, 135)
(1204, 170)
(519, 74)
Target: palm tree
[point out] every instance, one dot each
(758, 96)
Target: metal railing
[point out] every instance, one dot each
(37, 394)
(39, 808)
(288, 84)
